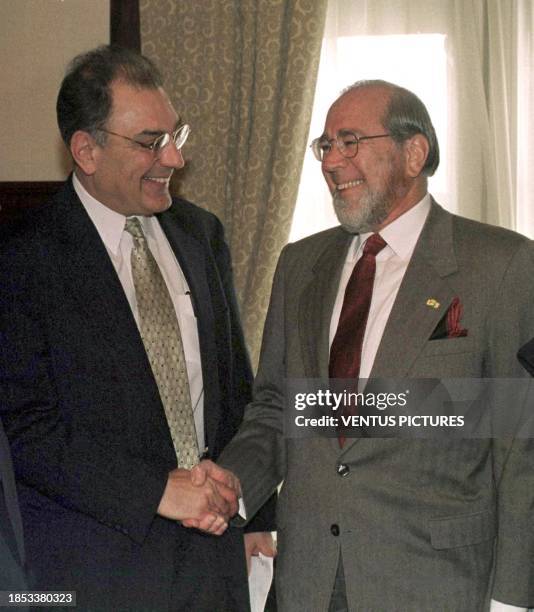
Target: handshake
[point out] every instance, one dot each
(205, 497)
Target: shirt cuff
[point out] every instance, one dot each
(497, 606)
(242, 511)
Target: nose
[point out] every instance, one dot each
(171, 157)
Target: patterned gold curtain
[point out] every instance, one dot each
(242, 73)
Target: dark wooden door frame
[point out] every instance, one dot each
(16, 196)
(124, 24)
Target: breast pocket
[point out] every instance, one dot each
(449, 358)
(449, 346)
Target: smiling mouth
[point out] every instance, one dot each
(162, 180)
(348, 185)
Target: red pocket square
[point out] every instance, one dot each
(454, 315)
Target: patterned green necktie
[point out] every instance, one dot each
(163, 344)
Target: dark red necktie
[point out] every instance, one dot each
(346, 350)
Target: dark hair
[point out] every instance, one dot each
(84, 100)
(405, 116)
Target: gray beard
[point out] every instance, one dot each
(370, 213)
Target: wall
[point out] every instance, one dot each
(37, 40)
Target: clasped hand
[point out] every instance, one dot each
(204, 498)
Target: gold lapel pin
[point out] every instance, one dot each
(432, 303)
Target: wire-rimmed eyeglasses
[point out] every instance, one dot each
(179, 136)
(346, 141)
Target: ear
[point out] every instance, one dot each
(416, 149)
(83, 150)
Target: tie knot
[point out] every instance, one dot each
(133, 227)
(373, 245)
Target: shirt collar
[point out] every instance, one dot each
(403, 233)
(109, 223)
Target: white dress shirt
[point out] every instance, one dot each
(119, 244)
(392, 262)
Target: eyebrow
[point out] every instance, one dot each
(343, 132)
(156, 133)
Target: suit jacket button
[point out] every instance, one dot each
(343, 470)
(334, 529)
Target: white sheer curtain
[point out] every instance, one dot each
(492, 56)
(489, 54)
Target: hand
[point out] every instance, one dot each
(227, 479)
(202, 503)
(218, 473)
(259, 542)
(227, 485)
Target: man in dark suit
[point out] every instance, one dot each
(12, 556)
(403, 290)
(123, 361)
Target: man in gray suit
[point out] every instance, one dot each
(392, 524)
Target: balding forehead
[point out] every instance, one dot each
(379, 94)
(361, 110)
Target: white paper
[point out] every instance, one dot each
(259, 581)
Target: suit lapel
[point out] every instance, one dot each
(192, 257)
(414, 315)
(87, 272)
(90, 271)
(315, 311)
(101, 297)
(316, 305)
